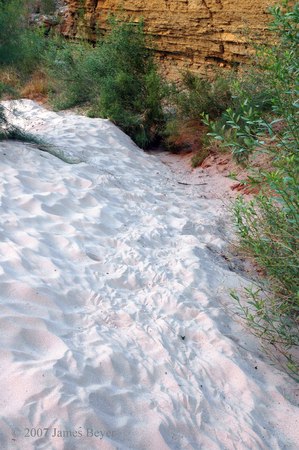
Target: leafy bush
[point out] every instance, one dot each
(242, 124)
(72, 73)
(130, 90)
(253, 86)
(225, 105)
(268, 225)
(189, 102)
(20, 46)
(198, 96)
(118, 78)
(239, 130)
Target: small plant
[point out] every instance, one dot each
(278, 334)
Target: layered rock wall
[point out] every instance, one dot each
(188, 34)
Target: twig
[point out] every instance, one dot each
(192, 184)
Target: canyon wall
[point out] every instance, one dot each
(187, 34)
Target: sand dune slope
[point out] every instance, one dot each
(114, 325)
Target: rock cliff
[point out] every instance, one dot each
(188, 34)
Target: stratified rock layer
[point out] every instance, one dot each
(188, 34)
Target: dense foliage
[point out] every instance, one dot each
(20, 45)
(117, 78)
(269, 224)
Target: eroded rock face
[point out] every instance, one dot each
(48, 14)
(188, 34)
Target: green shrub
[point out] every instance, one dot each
(253, 86)
(72, 73)
(20, 46)
(118, 78)
(191, 101)
(242, 126)
(197, 96)
(226, 105)
(240, 130)
(130, 89)
(268, 225)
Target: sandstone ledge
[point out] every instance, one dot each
(188, 34)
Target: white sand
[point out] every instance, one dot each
(105, 264)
